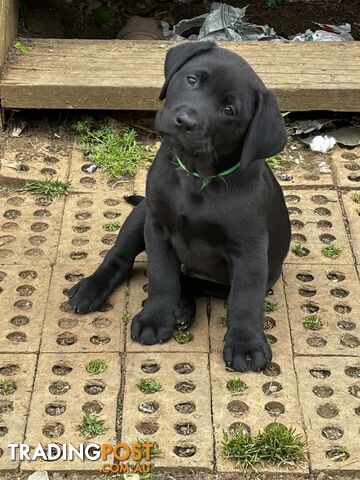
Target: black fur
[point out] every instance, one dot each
(228, 239)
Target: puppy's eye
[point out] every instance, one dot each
(191, 80)
(228, 110)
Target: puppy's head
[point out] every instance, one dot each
(216, 106)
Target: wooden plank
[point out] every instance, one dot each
(114, 74)
(9, 12)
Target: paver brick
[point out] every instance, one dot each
(347, 167)
(63, 393)
(326, 296)
(329, 392)
(179, 416)
(316, 222)
(29, 229)
(90, 226)
(16, 381)
(23, 296)
(66, 331)
(269, 396)
(352, 210)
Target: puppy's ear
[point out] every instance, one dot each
(177, 56)
(266, 134)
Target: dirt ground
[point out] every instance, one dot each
(60, 18)
(47, 245)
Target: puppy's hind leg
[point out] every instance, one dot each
(91, 292)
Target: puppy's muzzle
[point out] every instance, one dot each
(185, 121)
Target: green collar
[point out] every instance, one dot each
(206, 180)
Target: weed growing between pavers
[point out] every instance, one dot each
(51, 188)
(276, 445)
(356, 197)
(313, 322)
(155, 451)
(183, 337)
(7, 386)
(111, 227)
(149, 386)
(95, 367)
(236, 385)
(332, 251)
(299, 250)
(117, 154)
(270, 305)
(223, 320)
(277, 161)
(21, 48)
(92, 425)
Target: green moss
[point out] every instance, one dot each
(95, 367)
(313, 322)
(236, 385)
(149, 386)
(270, 305)
(332, 251)
(183, 337)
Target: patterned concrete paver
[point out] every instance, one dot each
(317, 222)
(329, 295)
(23, 296)
(90, 226)
(179, 416)
(347, 167)
(329, 391)
(63, 393)
(29, 229)
(352, 209)
(66, 331)
(16, 382)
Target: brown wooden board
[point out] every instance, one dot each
(8, 26)
(115, 74)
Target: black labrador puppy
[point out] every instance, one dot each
(214, 220)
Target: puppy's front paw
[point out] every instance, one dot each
(243, 352)
(154, 324)
(88, 295)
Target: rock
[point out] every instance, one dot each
(39, 476)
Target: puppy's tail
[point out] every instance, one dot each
(134, 199)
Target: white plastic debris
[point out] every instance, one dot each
(39, 476)
(16, 131)
(224, 22)
(327, 33)
(91, 168)
(322, 143)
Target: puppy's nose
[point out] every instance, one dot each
(185, 121)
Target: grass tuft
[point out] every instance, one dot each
(277, 161)
(155, 450)
(223, 320)
(298, 249)
(332, 251)
(111, 227)
(149, 386)
(51, 188)
(6, 386)
(183, 337)
(117, 154)
(92, 425)
(95, 367)
(313, 322)
(270, 305)
(356, 197)
(276, 444)
(236, 385)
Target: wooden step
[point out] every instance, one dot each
(117, 74)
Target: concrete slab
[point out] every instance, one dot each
(329, 394)
(63, 393)
(327, 297)
(17, 373)
(90, 226)
(317, 222)
(352, 210)
(29, 229)
(23, 296)
(66, 331)
(270, 396)
(347, 167)
(199, 331)
(180, 418)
